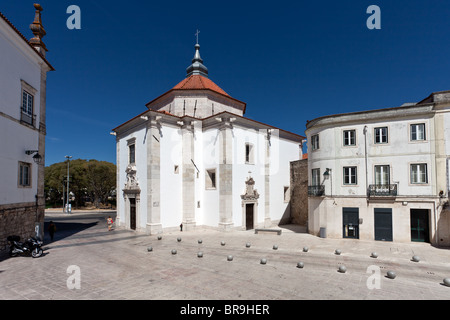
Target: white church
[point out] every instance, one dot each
(192, 158)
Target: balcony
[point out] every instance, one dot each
(382, 190)
(316, 191)
(28, 119)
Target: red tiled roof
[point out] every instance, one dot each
(198, 82)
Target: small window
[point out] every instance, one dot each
(419, 173)
(287, 194)
(249, 154)
(350, 175)
(315, 175)
(132, 153)
(27, 103)
(210, 182)
(315, 142)
(382, 175)
(418, 132)
(349, 137)
(24, 174)
(381, 135)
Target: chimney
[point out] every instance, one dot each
(38, 31)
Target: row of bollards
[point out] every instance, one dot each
(341, 269)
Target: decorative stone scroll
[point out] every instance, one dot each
(250, 192)
(132, 182)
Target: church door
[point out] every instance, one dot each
(249, 216)
(133, 213)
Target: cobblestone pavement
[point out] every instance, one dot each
(117, 265)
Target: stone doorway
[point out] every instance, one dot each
(249, 216)
(249, 205)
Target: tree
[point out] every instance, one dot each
(101, 180)
(88, 178)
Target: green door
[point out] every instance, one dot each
(419, 225)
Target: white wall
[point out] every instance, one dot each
(398, 153)
(18, 62)
(171, 182)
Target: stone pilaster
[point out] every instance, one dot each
(153, 176)
(267, 220)
(226, 175)
(188, 175)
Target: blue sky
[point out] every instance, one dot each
(290, 61)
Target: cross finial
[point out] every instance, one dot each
(196, 34)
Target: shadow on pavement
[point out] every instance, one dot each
(66, 229)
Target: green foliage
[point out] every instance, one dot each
(89, 180)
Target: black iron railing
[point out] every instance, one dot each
(382, 190)
(316, 191)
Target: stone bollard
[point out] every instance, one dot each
(374, 255)
(200, 241)
(415, 258)
(300, 265)
(149, 249)
(248, 245)
(200, 254)
(337, 252)
(305, 249)
(179, 239)
(275, 247)
(446, 282)
(342, 269)
(230, 258)
(159, 237)
(222, 243)
(263, 261)
(391, 274)
(174, 251)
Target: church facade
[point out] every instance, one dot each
(192, 158)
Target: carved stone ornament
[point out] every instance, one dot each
(132, 182)
(250, 192)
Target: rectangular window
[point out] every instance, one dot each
(132, 153)
(419, 173)
(382, 175)
(210, 182)
(315, 175)
(27, 103)
(249, 154)
(381, 135)
(24, 174)
(287, 194)
(315, 142)
(350, 175)
(349, 137)
(418, 132)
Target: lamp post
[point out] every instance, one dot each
(68, 168)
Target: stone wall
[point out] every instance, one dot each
(299, 192)
(17, 219)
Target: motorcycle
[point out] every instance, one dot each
(31, 246)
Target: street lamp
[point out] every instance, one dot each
(37, 158)
(68, 168)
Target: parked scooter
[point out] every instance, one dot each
(31, 246)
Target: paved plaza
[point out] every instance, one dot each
(117, 265)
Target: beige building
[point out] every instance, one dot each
(23, 79)
(382, 174)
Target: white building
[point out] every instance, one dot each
(382, 174)
(22, 128)
(193, 158)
